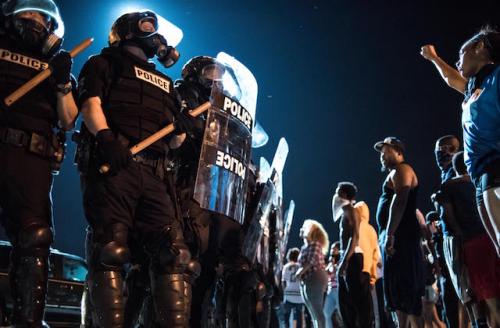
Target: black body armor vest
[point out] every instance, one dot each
(139, 100)
(37, 110)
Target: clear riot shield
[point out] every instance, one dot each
(259, 220)
(288, 224)
(221, 180)
(277, 242)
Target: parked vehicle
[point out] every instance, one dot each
(66, 284)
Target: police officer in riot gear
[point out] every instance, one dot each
(30, 36)
(214, 239)
(124, 99)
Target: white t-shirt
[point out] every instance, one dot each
(292, 285)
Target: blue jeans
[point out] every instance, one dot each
(331, 304)
(295, 309)
(313, 290)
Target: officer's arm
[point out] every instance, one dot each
(401, 180)
(67, 110)
(92, 84)
(93, 115)
(451, 76)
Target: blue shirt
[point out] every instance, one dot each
(481, 124)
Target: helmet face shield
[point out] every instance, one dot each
(148, 26)
(45, 7)
(213, 72)
(169, 31)
(142, 24)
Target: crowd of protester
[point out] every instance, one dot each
(441, 269)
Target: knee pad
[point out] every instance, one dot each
(193, 270)
(114, 255)
(172, 259)
(34, 237)
(260, 291)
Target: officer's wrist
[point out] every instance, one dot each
(104, 135)
(64, 88)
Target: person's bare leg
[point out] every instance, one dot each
(492, 203)
(435, 318)
(462, 316)
(427, 314)
(416, 321)
(402, 319)
(493, 312)
(488, 227)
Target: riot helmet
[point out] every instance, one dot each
(203, 70)
(46, 35)
(148, 31)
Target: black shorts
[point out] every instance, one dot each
(489, 178)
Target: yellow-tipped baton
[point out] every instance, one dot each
(43, 75)
(158, 135)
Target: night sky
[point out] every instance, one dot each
(334, 77)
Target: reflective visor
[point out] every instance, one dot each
(148, 25)
(46, 7)
(168, 30)
(213, 72)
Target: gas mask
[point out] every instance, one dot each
(337, 204)
(35, 36)
(32, 33)
(142, 29)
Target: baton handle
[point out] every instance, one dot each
(43, 75)
(158, 135)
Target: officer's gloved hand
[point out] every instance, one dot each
(184, 123)
(61, 67)
(111, 151)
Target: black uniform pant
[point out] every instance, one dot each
(25, 185)
(26, 214)
(135, 197)
(135, 200)
(355, 300)
(216, 240)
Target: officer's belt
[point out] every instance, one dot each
(148, 160)
(34, 142)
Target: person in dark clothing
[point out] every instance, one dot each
(396, 214)
(476, 281)
(212, 238)
(125, 99)
(31, 149)
(452, 310)
(355, 301)
(446, 147)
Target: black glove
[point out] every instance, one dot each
(185, 123)
(61, 67)
(111, 151)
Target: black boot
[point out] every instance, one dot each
(105, 289)
(171, 296)
(28, 283)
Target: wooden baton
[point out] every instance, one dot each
(43, 75)
(158, 135)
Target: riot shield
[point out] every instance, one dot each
(221, 180)
(288, 224)
(277, 233)
(259, 136)
(259, 220)
(269, 193)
